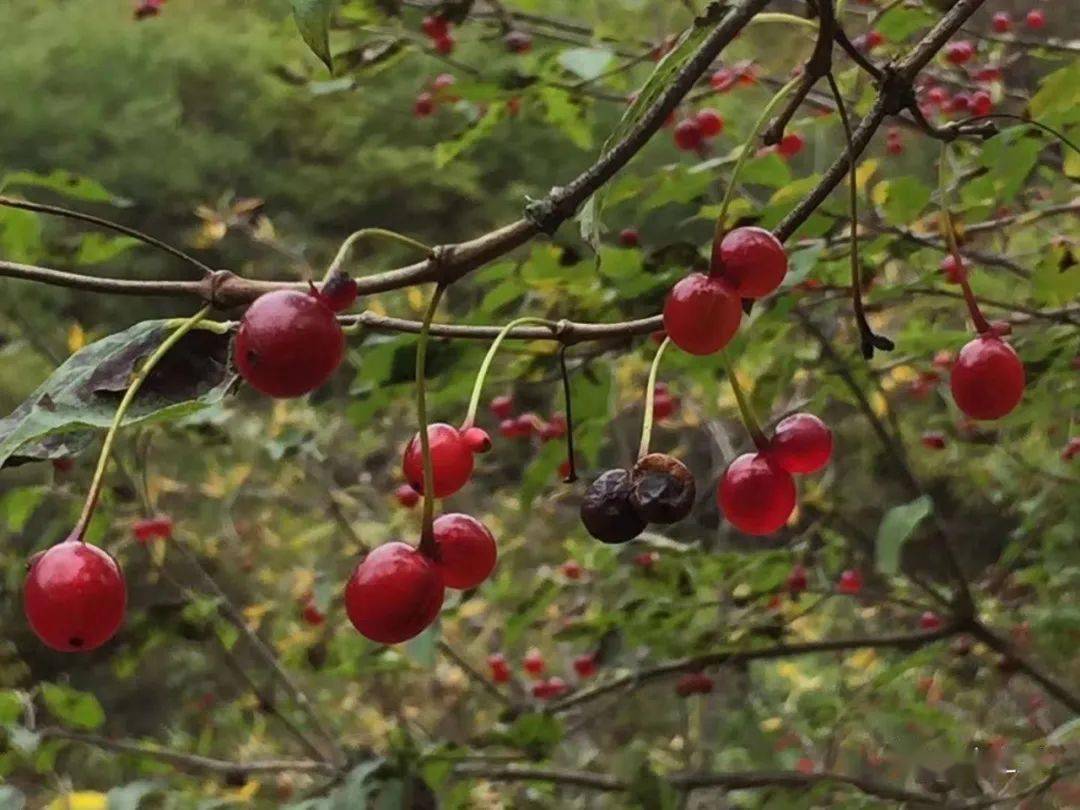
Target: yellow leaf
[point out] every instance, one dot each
(76, 337)
(83, 800)
(879, 194)
(772, 724)
(417, 299)
(865, 172)
(862, 659)
(878, 404)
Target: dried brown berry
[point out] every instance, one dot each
(606, 510)
(662, 489)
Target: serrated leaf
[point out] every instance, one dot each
(313, 21)
(59, 419)
(72, 707)
(588, 63)
(896, 527)
(904, 198)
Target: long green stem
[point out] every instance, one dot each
(647, 423)
(748, 418)
(748, 149)
(481, 375)
(372, 233)
(427, 536)
(982, 326)
(94, 494)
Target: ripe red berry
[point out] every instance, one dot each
(751, 260)
(289, 343)
(981, 103)
(646, 560)
(628, 237)
(393, 594)
(702, 313)
(756, 495)
(933, 440)
(407, 496)
(850, 582)
(312, 615)
(500, 669)
(551, 688)
(564, 469)
(508, 428)
(148, 8)
(664, 404)
(873, 39)
(987, 379)
(723, 80)
(476, 439)
(465, 551)
(444, 44)
(451, 460)
(148, 529)
(533, 663)
(1001, 22)
(1035, 19)
(435, 26)
(710, 122)
(339, 292)
(694, 683)
(990, 73)
(937, 96)
(63, 465)
(1072, 449)
(502, 406)
(424, 105)
(801, 443)
(790, 145)
(954, 269)
(554, 428)
(518, 42)
(585, 665)
(528, 424)
(74, 597)
(797, 581)
(930, 621)
(958, 53)
(571, 569)
(688, 135)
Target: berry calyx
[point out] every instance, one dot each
(533, 663)
(930, 621)
(987, 380)
(289, 343)
(751, 260)
(465, 551)
(756, 495)
(477, 439)
(394, 594)
(662, 490)
(155, 528)
(688, 135)
(710, 122)
(407, 496)
(801, 443)
(702, 313)
(339, 292)
(500, 669)
(607, 510)
(850, 582)
(629, 237)
(451, 460)
(74, 597)
(585, 665)
(502, 406)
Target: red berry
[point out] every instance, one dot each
(723, 80)
(646, 560)
(933, 440)
(688, 134)
(513, 105)
(424, 105)
(502, 406)
(797, 581)
(960, 52)
(518, 42)
(1035, 19)
(63, 465)
(74, 597)
(407, 496)
(944, 359)
(571, 569)
(981, 103)
(873, 39)
(394, 594)
(756, 495)
(508, 428)
(953, 268)
(805, 765)
(702, 313)
(802, 443)
(987, 380)
(790, 145)
(551, 688)
(751, 260)
(289, 343)
(465, 551)
(527, 424)
(694, 683)
(339, 292)
(451, 460)
(444, 44)
(500, 669)
(149, 529)
(1072, 449)
(710, 122)
(628, 237)
(585, 665)
(444, 81)
(961, 102)
(564, 470)
(1001, 22)
(990, 73)
(477, 439)
(850, 582)
(533, 663)
(664, 404)
(435, 26)
(930, 621)
(312, 615)
(554, 428)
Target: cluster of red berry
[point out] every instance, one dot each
(535, 667)
(439, 30)
(692, 133)
(428, 100)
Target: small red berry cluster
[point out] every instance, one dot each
(533, 664)
(740, 74)
(525, 425)
(439, 30)
(692, 133)
(440, 91)
(154, 528)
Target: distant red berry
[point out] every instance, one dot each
(518, 42)
(930, 621)
(709, 122)
(407, 496)
(629, 238)
(424, 105)
(694, 683)
(801, 443)
(571, 569)
(465, 551)
(959, 53)
(435, 26)
(702, 314)
(554, 428)
(551, 688)
(444, 44)
(155, 528)
(797, 580)
(953, 268)
(981, 103)
(873, 39)
(850, 582)
(500, 669)
(502, 406)
(756, 495)
(990, 73)
(63, 465)
(508, 429)
(987, 379)
(444, 81)
(688, 134)
(646, 560)
(937, 96)
(1001, 22)
(312, 615)
(723, 80)
(944, 359)
(585, 665)
(533, 663)
(961, 102)
(664, 405)
(933, 440)
(528, 424)
(1035, 19)
(1072, 449)
(790, 145)
(451, 460)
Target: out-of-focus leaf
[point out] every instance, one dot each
(900, 22)
(1058, 100)
(588, 63)
(561, 110)
(447, 150)
(67, 183)
(896, 527)
(313, 20)
(905, 197)
(96, 248)
(75, 708)
(131, 795)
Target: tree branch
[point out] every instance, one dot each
(1051, 685)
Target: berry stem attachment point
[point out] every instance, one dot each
(761, 441)
(427, 533)
(571, 475)
(373, 233)
(94, 494)
(748, 148)
(481, 375)
(647, 423)
(982, 326)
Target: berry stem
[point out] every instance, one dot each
(94, 494)
(571, 475)
(761, 442)
(1031, 123)
(481, 375)
(647, 423)
(372, 233)
(982, 326)
(748, 147)
(427, 534)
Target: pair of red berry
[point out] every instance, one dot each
(438, 29)
(396, 591)
(428, 100)
(757, 492)
(703, 310)
(691, 133)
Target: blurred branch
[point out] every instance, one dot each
(1058, 690)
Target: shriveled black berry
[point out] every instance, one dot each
(662, 490)
(606, 510)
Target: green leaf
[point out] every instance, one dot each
(905, 198)
(896, 527)
(563, 111)
(19, 504)
(75, 708)
(1058, 100)
(69, 184)
(1011, 155)
(313, 20)
(59, 419)
(130, 796)
(358, 787)
(899, 23)
(96, 248)
(535, 733)
(11, 706)
(588, 63)
(445, 151)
